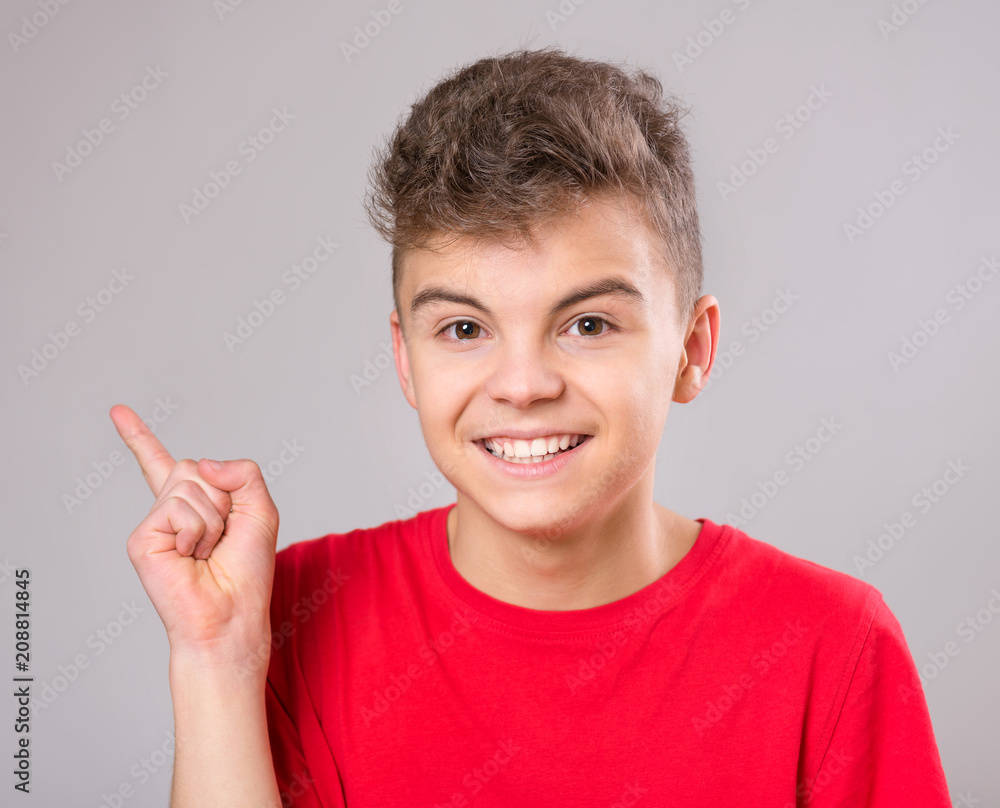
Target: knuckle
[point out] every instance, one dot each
(160, 455)
(187, 488)
(221, 500)
(187, 466)
(175, 503)
(216, 522)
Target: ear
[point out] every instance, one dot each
(698, 353)
(402, 358)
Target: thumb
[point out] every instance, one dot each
(243, 480)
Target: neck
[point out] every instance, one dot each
(610, 557)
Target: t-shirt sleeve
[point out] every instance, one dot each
(882, 752)
(284, 699)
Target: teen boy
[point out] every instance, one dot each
(554, 637)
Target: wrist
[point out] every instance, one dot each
(246, 654)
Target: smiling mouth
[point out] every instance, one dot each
(533, 458)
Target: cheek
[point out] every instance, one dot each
(627, 390)
(639, 410)
(443, 390)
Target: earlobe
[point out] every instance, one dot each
(698, 353)
(402, 358)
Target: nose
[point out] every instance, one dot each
(523, 373)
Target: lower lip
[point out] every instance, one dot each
(532, 471)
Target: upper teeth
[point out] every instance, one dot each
(538, 447)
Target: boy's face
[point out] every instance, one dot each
(501, 356)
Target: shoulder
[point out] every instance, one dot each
(338, 556)
(764, 578)
(781, 570)
(854, 680)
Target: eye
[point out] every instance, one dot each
(592, 326)
(466, 330)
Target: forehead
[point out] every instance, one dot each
(599, 248)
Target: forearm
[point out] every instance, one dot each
(222, 756)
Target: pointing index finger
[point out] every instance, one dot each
(154, 460)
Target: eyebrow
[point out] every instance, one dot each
(612, 285)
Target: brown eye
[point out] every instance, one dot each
(465, 329)
(591, 326)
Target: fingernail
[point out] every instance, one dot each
(215, 464)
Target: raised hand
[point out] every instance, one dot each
(205, 552)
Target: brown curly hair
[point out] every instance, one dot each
(503, 145)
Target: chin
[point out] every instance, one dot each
(530, 515)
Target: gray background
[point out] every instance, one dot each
(363, 459)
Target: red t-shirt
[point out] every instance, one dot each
(744, 676)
